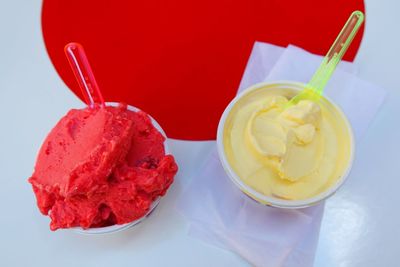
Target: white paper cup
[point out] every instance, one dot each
(120, 227)
(269, 200)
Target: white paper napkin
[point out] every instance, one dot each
(223, 216)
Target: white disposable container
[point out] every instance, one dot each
(120, 227)
(269, 200)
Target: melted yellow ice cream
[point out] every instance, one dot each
(294, 153)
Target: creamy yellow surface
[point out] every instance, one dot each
(294, 153)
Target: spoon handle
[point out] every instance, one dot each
(84, 75)
(336, 52)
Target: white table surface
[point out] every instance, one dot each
(361, 222)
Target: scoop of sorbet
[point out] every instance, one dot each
(281, 137)
(99, 167)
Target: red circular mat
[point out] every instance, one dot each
(181, 61)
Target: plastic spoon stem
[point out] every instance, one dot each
(84, 75)
(314, 89)
(336, 52)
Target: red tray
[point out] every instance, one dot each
(181, 61)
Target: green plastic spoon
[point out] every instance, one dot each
(315, 87)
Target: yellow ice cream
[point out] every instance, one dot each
(294, 153)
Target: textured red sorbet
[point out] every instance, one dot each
(99, 167)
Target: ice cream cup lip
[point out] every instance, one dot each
(120, 227)
(259, 197)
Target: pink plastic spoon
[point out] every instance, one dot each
(84, 75)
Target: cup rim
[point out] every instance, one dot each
(120, 227)
(257, 196)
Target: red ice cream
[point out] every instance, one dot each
(101, 166)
